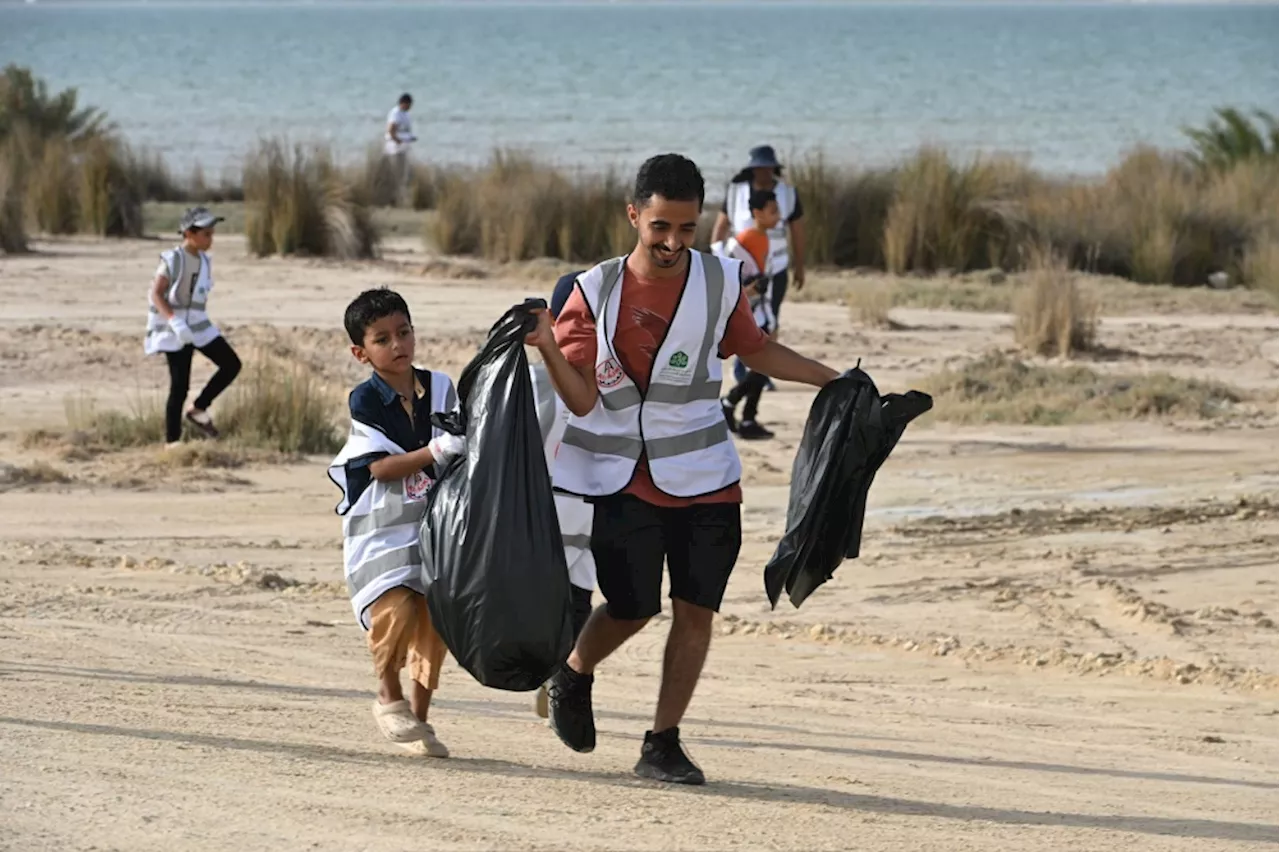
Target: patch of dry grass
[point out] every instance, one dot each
(300, 203)
(280, 405)
(1051, 315)
(516, 208)
(276, 409)
(26, 475)
(999, 389)
(869, 302)
(13, 229)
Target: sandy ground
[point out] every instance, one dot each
(1055, 639)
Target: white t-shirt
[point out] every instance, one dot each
(399, 118)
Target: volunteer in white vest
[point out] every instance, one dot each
(396, 143)
(178, 325)
(635, 356)
(786, 239)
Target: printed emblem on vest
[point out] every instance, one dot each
(416, 486)
(609, 374)
(678, 369)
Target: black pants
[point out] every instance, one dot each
(749, 389)
(219, 351)
(779, 285)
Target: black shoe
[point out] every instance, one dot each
(750, 430)
(730, 416)
(662, 759)
(569, 700)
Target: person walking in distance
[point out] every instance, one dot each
(786, 238)
(178, 325)
(635, 356)
(397, 141)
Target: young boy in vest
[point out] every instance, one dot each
(575, 514)
(648, 446)
(385, 470)
(751, 247)
(178, 325)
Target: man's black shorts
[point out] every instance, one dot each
(631, 539)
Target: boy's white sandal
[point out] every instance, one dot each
(428, 746)
(397, 722)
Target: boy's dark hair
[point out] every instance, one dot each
(759, 198)
(369, 307)
(672, 176)
(406, 98)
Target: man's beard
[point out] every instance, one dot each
(665, 259)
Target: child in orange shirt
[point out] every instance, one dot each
(752, 248)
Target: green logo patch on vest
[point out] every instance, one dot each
(679, 361)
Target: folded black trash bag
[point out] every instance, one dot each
(850, 432)
(493, 561)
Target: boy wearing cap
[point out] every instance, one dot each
(178, 324)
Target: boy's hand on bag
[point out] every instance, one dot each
(542, 336)
(446, 448)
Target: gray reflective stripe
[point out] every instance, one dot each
(690, 442)
(392, 560)
(198, 306)
(384, 517)
(602, 445)
(624, 397)
(611, 274)
(582, 542)
(203, 325)
(680, 394)
(545, 395)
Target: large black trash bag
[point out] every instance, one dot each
(493, 561)
(850, 432)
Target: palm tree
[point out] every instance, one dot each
(1231, 137)
(25, 102)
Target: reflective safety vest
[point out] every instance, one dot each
(677, 423)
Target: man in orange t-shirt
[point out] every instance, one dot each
(642, 525)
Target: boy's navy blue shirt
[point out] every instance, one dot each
(375, 403)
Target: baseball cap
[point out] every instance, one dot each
(197, 217)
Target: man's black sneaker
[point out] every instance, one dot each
(730, 416)
(569, 703)
(750, 430)
(662, 759)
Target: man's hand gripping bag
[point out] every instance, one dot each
(493, 561)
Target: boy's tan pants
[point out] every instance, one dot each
(400, 631)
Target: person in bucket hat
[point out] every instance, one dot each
(178, 324)
(786, 239)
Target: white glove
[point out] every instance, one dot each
(180, 328)
(446, 448)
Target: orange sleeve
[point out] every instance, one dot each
(575, 331)
(757, 243)
(742, 336)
